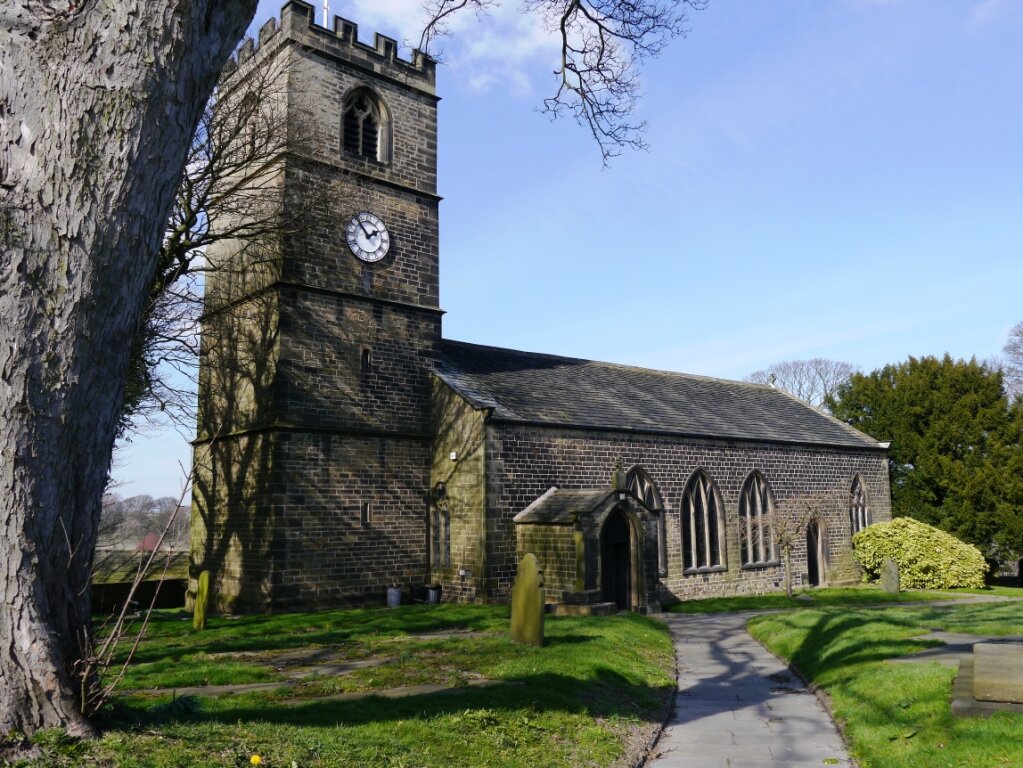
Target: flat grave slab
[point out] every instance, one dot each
(998, 672)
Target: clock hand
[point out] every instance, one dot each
(368, 233)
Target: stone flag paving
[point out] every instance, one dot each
(738, 706)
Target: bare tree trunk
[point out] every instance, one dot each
(98, 100)
(788, 571)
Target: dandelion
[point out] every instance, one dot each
(255, 760)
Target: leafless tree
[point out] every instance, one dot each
(784, 527)
(1012, 367)
(125, 523)
(96, 662)
(602, 44)
(229, 192)
(812, 381)
(98, 101)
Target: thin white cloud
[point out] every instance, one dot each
(985, 13)
(505, 48)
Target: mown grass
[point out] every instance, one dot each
(997, 590)
(811, 598)
(896, 715)
(574, 702)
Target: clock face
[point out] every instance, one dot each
(367, 237)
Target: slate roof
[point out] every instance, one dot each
(562, 506)
(533, 388)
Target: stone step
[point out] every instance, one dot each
(599, 609)
(582, 597)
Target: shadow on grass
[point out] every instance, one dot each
(837, 640)
(605, 694)
(169, 638)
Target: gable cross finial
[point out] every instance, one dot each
(618, 477)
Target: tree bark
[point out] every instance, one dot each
(788, 572)
(98, 100)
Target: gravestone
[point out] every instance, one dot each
(202, 599)
(890, 576)
(527, 604)
(998, 672)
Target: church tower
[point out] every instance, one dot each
(313, 452)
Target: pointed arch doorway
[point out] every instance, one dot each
(616, 560)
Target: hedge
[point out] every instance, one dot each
(927, 557)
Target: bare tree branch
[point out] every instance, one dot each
(229, 192)
(812, 381)
(602, 44)
(439, 13)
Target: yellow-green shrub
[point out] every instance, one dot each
(927, 558)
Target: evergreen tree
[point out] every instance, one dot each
(956, 460)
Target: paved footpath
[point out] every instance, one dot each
(738, 706)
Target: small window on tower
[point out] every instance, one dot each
(367, 361)
(367, 513)
(364, 126)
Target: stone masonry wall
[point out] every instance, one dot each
(351, 518)
(458, 428)
(524, 461)
(555, 550)
(232, 530)
(322, 382)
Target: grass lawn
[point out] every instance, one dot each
(995, 590)
(575, 702)
(811, 598)
(897, 715)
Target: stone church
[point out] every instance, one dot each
(345, 446)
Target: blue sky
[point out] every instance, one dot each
(836, 179)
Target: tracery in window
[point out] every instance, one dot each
(859, 510)
(643, 487)
(364, 126)
(703, 526)
(756, 537)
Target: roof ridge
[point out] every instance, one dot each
(622, 366)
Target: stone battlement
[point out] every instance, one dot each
(298, 23)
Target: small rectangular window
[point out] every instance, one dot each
(367, 513)
(367, 361)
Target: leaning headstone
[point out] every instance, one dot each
(890, 576)
(202, 599)
(527, 606)
(998, 672)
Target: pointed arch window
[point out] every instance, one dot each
(859, 509)
(365, 129)
(756, 536)
(440, 525)
(642, 486)
(703, 527)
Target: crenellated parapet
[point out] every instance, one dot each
(298, 24)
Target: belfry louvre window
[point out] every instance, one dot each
(703, 527)
(756, 537)
(364, 126)
(859, 511)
